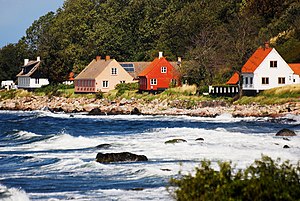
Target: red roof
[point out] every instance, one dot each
(150, 67)
(295, 68)
(234, 79)
(255, 60)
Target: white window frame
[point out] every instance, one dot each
(163, 69)
(273, 64)
(122, 81)
(37, 81)
(114, 71)
(266, 79)
(105, 84)
(153, 81)
(281, 80)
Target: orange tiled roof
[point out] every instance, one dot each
(255, 60)
(295, 68)
(234, 79)
(150, 67)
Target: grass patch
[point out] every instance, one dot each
(4, 94)
(279, 95)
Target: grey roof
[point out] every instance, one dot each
(29, 68)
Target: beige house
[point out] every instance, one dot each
(101, 75)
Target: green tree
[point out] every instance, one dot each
(11, 59)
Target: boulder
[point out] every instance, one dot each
(103, 146)
(119, 157)
(135, 111)
(96, 111)
(173, 141)
(116, 111)
(285, 132)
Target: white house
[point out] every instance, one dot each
(266, 69)
(30, 76)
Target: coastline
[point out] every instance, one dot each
(155, 107)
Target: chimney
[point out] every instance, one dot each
(98, 58)
(38, 58)
(26, 61)
(179, 61)
(160, 55)
(107, 58)
(267, 45)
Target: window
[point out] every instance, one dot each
(105, 84)
(173, 83)
(251, 80)
(294, 80)
(246, 80)
(281, 80)
(153, 82)
(122, 81)
(163, 69)
(273, 64)
(114, 71)
(265, 80)
(37, 80)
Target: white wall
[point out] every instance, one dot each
(27, 82)
(264, 70)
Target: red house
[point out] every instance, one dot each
(158, 75)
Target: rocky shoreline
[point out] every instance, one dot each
(154, 107)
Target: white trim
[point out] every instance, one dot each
(153, 81)
(105, 84)
(114, 71)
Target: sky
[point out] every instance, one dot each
(18, 15)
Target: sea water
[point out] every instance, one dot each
(47, 156)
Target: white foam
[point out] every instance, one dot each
(26, 135)
(12, 194)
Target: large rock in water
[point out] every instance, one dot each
(285, 132)
(173, 141)
(119, 157)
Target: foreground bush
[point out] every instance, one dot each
(265, 179)
(121, 88)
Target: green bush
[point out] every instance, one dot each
(99, 95)
(265, 179)
(126, 87)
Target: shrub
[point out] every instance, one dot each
(265, 179)
(126, 87)
(99, 95)
(49, 90)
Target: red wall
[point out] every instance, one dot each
(85, 86)
(163, 79)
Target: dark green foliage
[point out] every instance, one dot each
(99, 95)
(265, 179)
(53, 89)
(214, 43)
(126, 87)
(11, 59)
